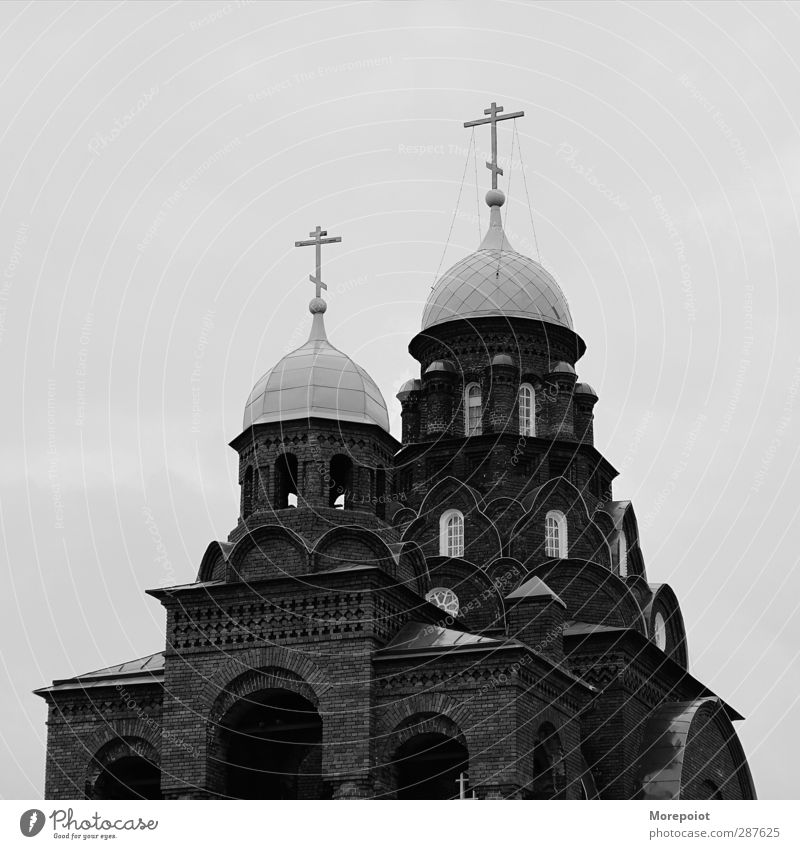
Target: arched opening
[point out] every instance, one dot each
(380, 492)
(473, 410)
(549, 775)
(247, 492)
(340, 484)
(272, 747)
(429, 766)
(527, 410)
(130, 777)
(451, 534)
(286, 490)
(555, 534)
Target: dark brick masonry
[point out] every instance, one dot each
(308, 634)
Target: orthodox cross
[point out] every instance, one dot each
(494, 116)
(317, 239)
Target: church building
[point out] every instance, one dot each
(463, 613)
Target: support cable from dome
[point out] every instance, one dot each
(477, 188)
(455, 211)
(527, 196)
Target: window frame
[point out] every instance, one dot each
(562, 537)
(478, 431)
(444, 533)
(622, 555)
(530, 430)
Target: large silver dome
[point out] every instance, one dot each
(496, 281)
(316, 380)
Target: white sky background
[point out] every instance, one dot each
(163, 254)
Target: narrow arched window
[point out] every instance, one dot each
(623, 555)
(286, 481)
(473, 412)
(247, 492)
(527, 410)
(340, 482)
(555, 534)
(451, 534)
(660, 631)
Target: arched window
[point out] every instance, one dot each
(247, 492)
(556, 543)
(527, 410)
(660, 631)
(623, 555)
(340, 492)
(445, 598)
(549, 769)
(473, 411)
(451, 534)
(286, 481)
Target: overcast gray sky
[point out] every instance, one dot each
(157, 163)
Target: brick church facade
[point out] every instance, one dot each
(463, 613)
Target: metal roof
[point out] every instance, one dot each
(316, 381)
(495, 280)
(142, 670)
(419, 635)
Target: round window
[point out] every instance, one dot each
(444, 598)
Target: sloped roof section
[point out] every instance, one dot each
(420, 635)
(534, 588)
(142, 670)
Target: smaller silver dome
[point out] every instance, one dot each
(585, 389)
(440, 365)
(562, 368)
(503, 360)
(316, 381)
(413, 385)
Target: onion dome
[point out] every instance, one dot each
(503, 360)
(316, 381)
(496, 281)
(562, 368)
(585, 389)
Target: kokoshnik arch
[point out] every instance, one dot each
(463, 613)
